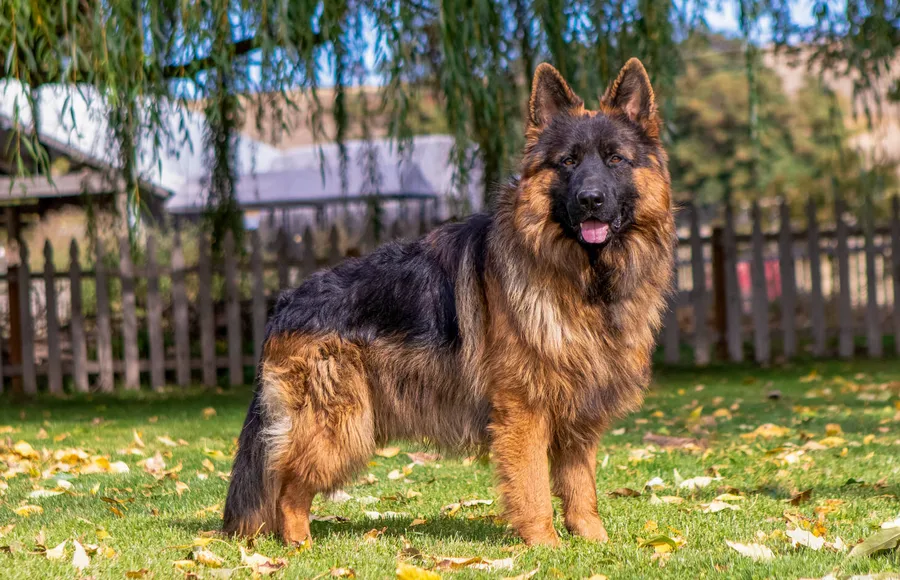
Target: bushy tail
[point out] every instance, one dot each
(251, 504)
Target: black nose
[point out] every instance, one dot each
(590, 201)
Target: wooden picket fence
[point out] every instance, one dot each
(764, 294)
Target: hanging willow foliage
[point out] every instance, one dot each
(475, 56)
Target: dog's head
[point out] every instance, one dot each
(593, 176)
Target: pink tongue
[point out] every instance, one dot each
(594, 232)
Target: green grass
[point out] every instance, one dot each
(158, 525)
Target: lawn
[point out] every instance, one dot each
(834, 432)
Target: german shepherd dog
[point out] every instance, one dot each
(524, 331)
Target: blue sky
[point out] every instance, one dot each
(722, 16)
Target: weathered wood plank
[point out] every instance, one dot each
(335, 255)
(895, 258)
(424, 226)
(874, 346)
(845, 311)
(180, 315)
(76, 322)
(106, 378)
(154, 319)
(762, 346)
(699, 295)
(671, 339)
(309, 253)
(788, 282)
(816, 301)
(258, 287)
(206, 312)
(732, 290)
(29, 378)
(129, 317)
(54, 348)
(283, 244)
(232, 292)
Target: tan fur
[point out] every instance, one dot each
(540, 374)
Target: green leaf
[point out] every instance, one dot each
(886, 539)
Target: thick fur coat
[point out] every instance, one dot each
(525, 331)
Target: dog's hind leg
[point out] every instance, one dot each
(322, 431)
(574, 470)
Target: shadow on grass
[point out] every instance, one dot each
(478, 530)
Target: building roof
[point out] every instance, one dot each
(267, 176)
(311, 175)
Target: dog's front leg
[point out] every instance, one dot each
(574, 469)
(520, 442)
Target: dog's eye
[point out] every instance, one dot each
(568, 161)
(615, 159)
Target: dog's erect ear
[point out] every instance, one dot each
(632, 94)
(550, 96)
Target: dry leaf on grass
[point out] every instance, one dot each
(661, 543)
(421, 458)
(371, 536)
(155, 465)
(409, 572)
(167, 441)
(387, 451)
(207, 558)
(883, 540)
(26, 511)
(80, 559)
(697, 482)
(805, 538)
(475, 562)
(262, 565)
(666, 499)
(716, 506)
(757, 552)
(137, 573)
(57, 553)
(767, 431)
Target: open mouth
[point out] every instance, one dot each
(594, 231)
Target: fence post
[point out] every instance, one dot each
(154, 319)
(334, 246)
(874, 345)
(54, 365)
(206, 311)
(309, 253)
(106, 377)
(788, 282)
(698, 294)
(76, 324)
(283, 262)
(180, 315)
(423, 218)
(129, 317)
(845, 312)
(259, 296)
(29, 373)
(895, 256)
(232, 290)
(761, 345)
(732, 294)
(816, 301)
(672, 347)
